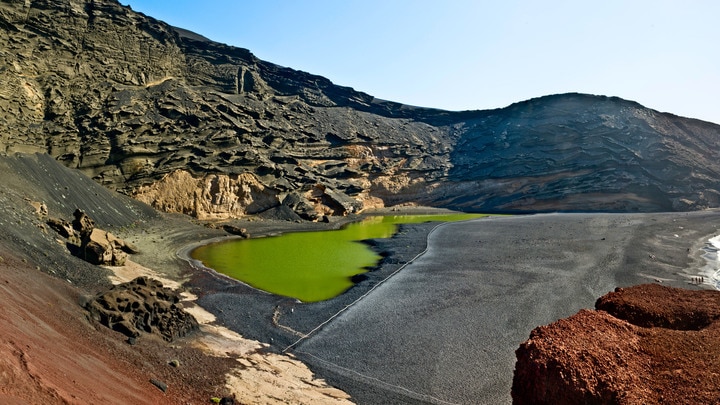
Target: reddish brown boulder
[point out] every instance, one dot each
(654, 305)
(646, 344)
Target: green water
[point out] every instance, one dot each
(309, 266)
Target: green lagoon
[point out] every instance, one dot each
(309, 266)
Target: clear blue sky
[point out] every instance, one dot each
(478, 54)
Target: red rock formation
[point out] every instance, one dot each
(51, 354)
(645, 344)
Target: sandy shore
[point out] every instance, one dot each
(237, 320)
(444, 329)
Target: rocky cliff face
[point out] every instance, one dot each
(137, 104)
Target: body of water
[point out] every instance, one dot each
(309, 266)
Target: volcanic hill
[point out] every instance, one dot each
(194, 126)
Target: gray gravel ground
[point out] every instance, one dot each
(445, 328)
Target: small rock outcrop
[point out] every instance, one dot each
(91, 244)
(236, 230)
(646, 344)
(141, 306)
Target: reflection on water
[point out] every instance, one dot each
(309, 266)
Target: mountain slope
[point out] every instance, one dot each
(581, 152)
(198, 127)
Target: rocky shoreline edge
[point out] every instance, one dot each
(211, 297)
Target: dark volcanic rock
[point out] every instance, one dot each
(236, 230)
(92, 244)
(654, 345)
(64, 229)
(581, 152)
(83, 224)
(142, 306)
(132, 101)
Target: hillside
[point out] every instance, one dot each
(194, 126)
(53, 351)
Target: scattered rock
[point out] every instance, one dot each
(302, 206)
(94, 245)
(161, 385)
(174, 363)
(140, 306)
(64, 229)
(235, 230)
(103, 248)
(41, 209)
(333, 202)
(82, 223)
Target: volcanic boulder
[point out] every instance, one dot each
(82, 223)
(236, 230)
(91, 244)
(645, 344)
(140, 306)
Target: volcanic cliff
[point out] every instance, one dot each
(194, 126)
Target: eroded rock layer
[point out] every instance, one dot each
(645, 344)
(141, 106)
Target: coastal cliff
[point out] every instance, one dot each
(135, 104)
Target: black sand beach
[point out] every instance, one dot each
(444, 329)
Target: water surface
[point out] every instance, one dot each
(310, 266)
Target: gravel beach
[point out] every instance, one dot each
(444, 329)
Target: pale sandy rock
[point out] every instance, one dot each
(276, 379)
(213, 196)
(41, 209)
